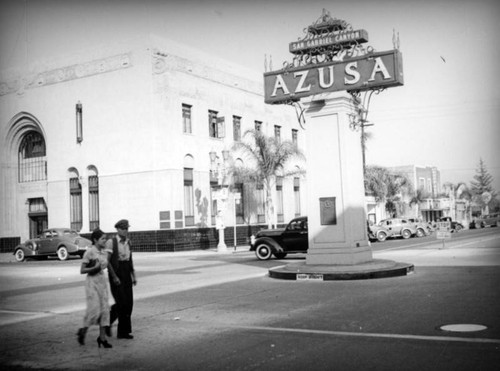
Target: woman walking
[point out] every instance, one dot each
(94, 262)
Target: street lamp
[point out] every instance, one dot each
(219, 170)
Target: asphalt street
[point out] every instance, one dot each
(209, 311)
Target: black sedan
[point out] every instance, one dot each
(281, 241)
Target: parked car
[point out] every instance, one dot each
(455, 226)
(281, 241)
(491, 220)
(60, 242)
(399, 227)
(423, 228)
(378, 232)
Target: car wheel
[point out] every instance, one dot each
(420, 232)
(19, 254)
(458, 228)
(381, 236)
(62, 253)
(263, 252)
(280, 255)
(406, 233)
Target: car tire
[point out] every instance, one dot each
(280, 255)
(458, 228)
(381, 236)
(62, 253)
(406, 233)
(263, 251)
(19, 254)
(420, 232)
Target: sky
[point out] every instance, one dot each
(445, 115)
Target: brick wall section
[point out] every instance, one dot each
(7, 244)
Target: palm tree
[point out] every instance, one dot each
(265, 159)
(418, 197)
(387, 187)
(365, 136)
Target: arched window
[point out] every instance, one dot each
(75, 193)
(93, 198)
(32, 159)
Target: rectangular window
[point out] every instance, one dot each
(295, 136)
(258, 125)
(188, 198)
(213, 201)
(186, 119)
(237, 128)
(216, 125)
(296, 193)
(75, 191)
(239, 203)
(277, 133)
(429, 186)
(421, 183)
(261, 208)
(93, 202)
(279, 199)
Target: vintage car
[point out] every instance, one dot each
(377, 232)
(399, 227)
(60, 242)
(281, 241)
(423, 228)
(491, 220)
(455, 226)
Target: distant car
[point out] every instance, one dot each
(399, 227)
(491, 220)
(60, 242)
(281, 241)
(455, 226)
(378, 232)
(423, 229)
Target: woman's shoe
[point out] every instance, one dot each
(104, 343)
(81, 335)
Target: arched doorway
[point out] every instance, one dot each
(25, 180)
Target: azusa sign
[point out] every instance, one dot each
(371, 71)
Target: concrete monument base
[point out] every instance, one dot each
(376, 268)
(337, 230)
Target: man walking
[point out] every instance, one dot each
(121, 280)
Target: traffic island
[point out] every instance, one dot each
(377, 268)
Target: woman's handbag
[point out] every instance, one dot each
(91, 264)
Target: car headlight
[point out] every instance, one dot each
(252, 239)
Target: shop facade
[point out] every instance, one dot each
(126, 131)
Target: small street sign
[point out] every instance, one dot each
(309, 277)
(443, 230)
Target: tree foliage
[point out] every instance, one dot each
(482, 184)
(388, 187)
(265, 158)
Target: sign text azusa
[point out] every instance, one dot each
(371, 71)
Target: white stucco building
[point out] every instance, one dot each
(125, 131)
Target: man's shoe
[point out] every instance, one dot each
(127, 336)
